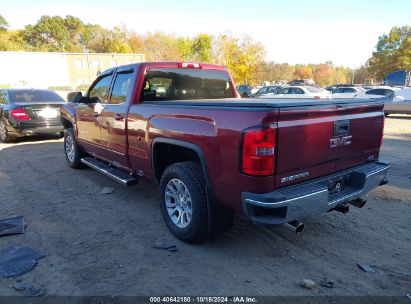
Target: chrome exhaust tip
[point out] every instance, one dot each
(359, 202)
(295, 226)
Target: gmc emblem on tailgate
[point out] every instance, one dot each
(340, 141)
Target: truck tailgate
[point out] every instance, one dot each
(320, 140)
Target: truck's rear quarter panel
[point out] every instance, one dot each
(216, 131)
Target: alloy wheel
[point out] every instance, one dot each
(69, 147)
(178, 203)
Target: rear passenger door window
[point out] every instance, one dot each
(121, 88)
(283, 91)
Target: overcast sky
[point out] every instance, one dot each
(292, 31)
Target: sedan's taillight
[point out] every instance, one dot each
(258, 151)
(19, 114)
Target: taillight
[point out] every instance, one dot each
(189, 65)
(258, 151)
(382, 130)
(19, 114)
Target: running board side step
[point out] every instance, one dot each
(114, 173)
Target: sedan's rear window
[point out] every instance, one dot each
(33, 96)
(183, 84)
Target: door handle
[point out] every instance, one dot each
(119, 116)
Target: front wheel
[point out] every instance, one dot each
(4, 134)
(184, 201)
(73, 154)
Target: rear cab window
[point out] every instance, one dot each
(162, 84)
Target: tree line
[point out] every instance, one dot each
(244, 57)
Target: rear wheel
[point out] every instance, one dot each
(184, 201)
(4, 134)
(73, 154)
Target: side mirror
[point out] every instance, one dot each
(398, 99)
(74, 96)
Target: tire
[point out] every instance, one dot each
(244, 95)
(386, 114)
(4, 134)
(61, 134)
(71, 150)
(175, 202)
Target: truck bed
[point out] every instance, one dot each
(271, 103)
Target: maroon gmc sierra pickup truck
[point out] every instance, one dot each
(213, 154)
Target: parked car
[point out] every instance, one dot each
(398, 100)
(302, 82)
(347, 92)
(335, 86)
(254, 89)
(25, 112)
(244, 90)
(213, 154)
(397, 107)
(266, 90)
(299, 92)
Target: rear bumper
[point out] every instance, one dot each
(35, 127)
(313, 197)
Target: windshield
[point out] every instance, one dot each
(313, 90)
(182, 84)
(33, 96)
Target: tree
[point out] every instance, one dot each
(303, 72)
(136, 42)
(241, 57)
(48, 34)
(3, 23)
(185, 47)
(391, 52)
(404, 54)
(161, 47)
(201, 48)
(324, 74)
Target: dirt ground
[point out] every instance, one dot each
(102, 244)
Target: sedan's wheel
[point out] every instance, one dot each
(4, 134)
(73, 154)
(184, 201)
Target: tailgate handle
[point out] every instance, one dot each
(341, 128)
